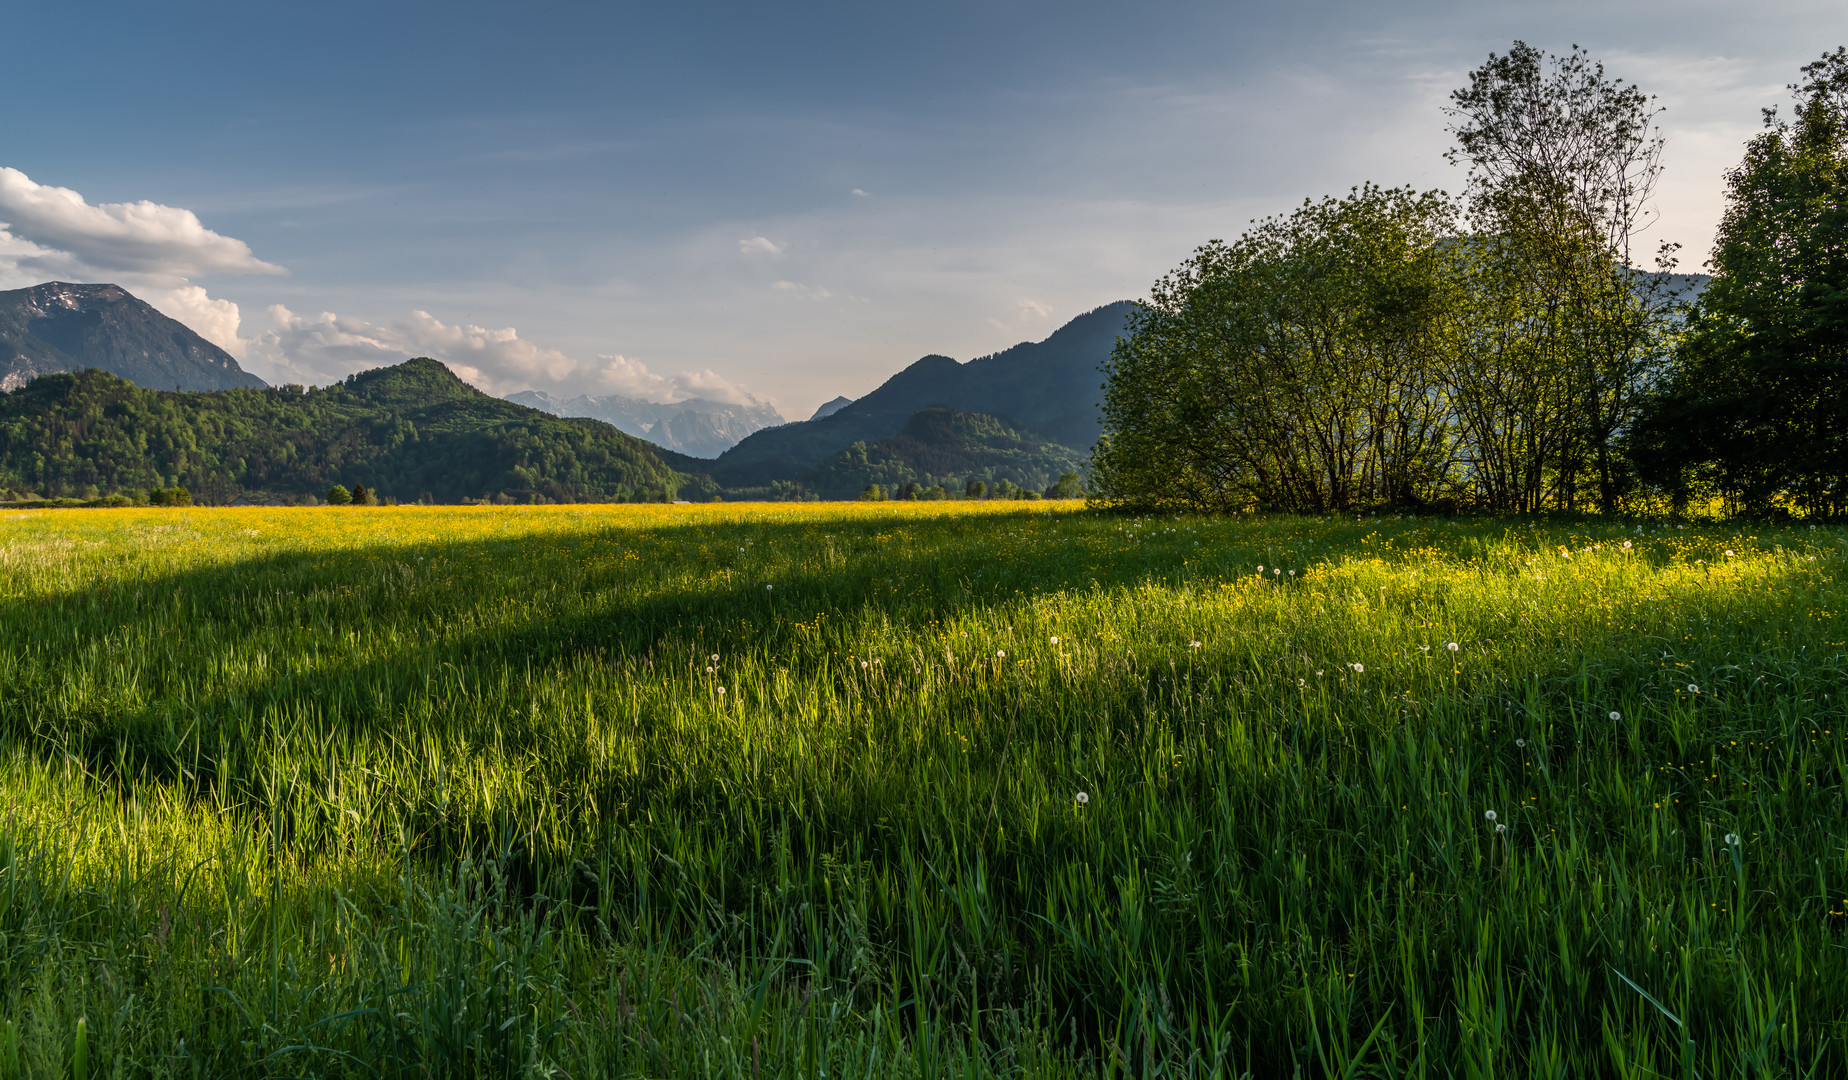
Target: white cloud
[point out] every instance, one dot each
(52, 234)
(327, 347)
(861, 194)
(758, 245)
(813, 292)
(141, 237)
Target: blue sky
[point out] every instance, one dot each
(786, 201)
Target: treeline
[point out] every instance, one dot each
(410, 433)
(946, 453)
(1501, 350)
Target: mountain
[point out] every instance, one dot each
(63, 327)
(411, 432)
(1052, 387)
(697, 427)
(829, 408)
(945, 447)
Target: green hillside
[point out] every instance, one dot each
(946, 447)
(411, 432)
(1053, 387)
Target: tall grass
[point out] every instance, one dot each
(796, 791)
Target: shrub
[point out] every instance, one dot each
(338, 495)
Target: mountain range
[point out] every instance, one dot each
(1051, 389)
(697, 427)
(85, 412)
(59, 326)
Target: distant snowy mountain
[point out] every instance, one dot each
(697, 427)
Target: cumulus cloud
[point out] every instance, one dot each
(141, 237)
(52, 233)
(326, 347)
(759, 245)
(860, 193)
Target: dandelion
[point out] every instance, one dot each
(1275, 571)
(1453, 646)
(1292, 573)
(1193, 644)
(721, 691)
(1318, 671)
(709, 669)
(1520, 742)
(1083, 798)
(1055, 640)
(1358, 668)
(1260, 568)
(1626, 545)
(769, 586)
(1424, 648)
(715, 658)
(1693, 688)
(1001, 653)
(1300, 683)
(1615, 715)
(864, 664)
(1490, 815)
(1499, 829)
(1729, 553)
(1732, 839)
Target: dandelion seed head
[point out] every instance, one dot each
(1520, 742)
(1002, 653)
(1358, 668)
(1453, 646)
(1615, 715)
(1083, 798)
(1693, 688)
(1489, 814)
(1732, 839)
(1055, 640)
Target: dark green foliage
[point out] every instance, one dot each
(64, 327)
(1050, 387)
(413, 432)
(941, 446)
(1757, 406)
(1298, 368)
(173, 496)
(338, 495)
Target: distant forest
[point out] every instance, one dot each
(413, 432)
(1502, 351)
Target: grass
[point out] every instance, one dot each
(792, 791)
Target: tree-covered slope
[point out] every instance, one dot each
(945, 447)
(1052, 387)
(410, 432)
(63, 327)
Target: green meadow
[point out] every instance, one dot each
(946, 789)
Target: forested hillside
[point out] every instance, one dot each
(410, 432)
(1053, 387)
(947, 448)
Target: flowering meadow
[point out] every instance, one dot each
(929, 789)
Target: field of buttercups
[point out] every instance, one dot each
(966, 789)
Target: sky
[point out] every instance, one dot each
(781, 202)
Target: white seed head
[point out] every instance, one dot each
(1490, 815)
(1055, 641)
(1083, 798)
(1520, 742)
(1693, 688)
(1453, 646)
(1358, 668)
(1501, 829)
(1732, 839)
(1002, 653)
(1615, 715)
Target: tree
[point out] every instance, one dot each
(1757, 405)
(338, 495)
(1296, 368)
(1563, 163)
